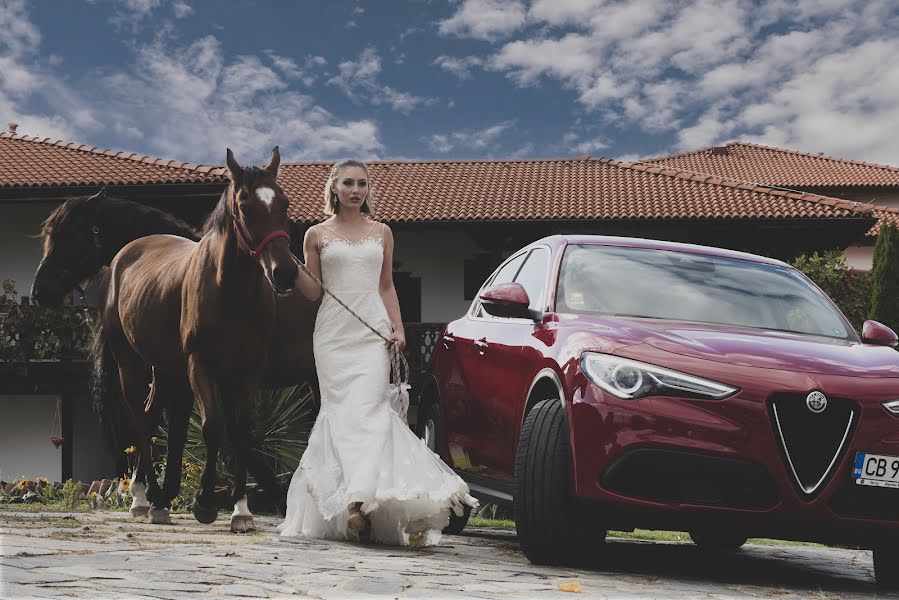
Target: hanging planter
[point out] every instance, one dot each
(57, 441)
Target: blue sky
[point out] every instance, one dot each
(420, 79)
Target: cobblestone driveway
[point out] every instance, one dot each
(93, 555)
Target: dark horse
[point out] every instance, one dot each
(202, 314)
(80, 238)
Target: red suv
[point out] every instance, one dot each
(612, 383)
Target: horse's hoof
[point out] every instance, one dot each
(242, 524)
(139, 512)
(203, 514)
(159, 516)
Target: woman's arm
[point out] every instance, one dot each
(388, 291)
(311, 257)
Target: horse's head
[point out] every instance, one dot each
(72, 249)
(258, 208)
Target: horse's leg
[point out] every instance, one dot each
(180, 404)
(236, 402)
(205, 508)
(131, 376)
(140, 506)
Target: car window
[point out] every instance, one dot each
(506, 274)
(532, 276)
(665, 284)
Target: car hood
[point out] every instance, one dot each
(753, 347)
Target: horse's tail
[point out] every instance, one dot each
(106, 392)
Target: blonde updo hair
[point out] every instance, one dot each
(332, 204)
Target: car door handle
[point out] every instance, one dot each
(448, 341)
(481, 345)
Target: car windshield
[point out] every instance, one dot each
(662, 284)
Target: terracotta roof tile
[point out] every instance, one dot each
(779, 167)
(33, 162)
(566, 189)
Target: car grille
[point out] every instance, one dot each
(812, 444)
(865, 502)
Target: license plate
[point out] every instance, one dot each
(876, 469)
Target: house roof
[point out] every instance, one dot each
(565, 189)
(580, 188)
(780, 168)
(27, 162)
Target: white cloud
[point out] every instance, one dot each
(359, 80)
(307, 72)
(572, 58)
(460, 67)
(190, 102)
(182, 9)
(564, 12)
(186, 102)
(477, 139)
(488, 20)
(808, 74)
(574, 143)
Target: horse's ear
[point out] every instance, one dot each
(101, 195)
(236, 169)
(272, 167)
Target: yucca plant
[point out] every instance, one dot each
(281, 421)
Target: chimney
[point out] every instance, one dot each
(12, 127)
(719, 150)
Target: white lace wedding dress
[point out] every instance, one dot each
(359, 449)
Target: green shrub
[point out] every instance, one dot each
(850, 290)
(885, 275)
(282, 420)
(33, 332)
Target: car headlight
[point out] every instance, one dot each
(629, 379)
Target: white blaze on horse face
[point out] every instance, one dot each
(266, 195)
(241, 509)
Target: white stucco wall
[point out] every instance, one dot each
(438, 257)
(25, 447)
(20, 252)
(860, 257)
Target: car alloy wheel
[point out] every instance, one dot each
(553, 527)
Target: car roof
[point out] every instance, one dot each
(629, 242)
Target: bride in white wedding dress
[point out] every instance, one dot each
(364, 473)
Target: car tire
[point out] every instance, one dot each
(718, 541)
(886, 567)
(553, 527)
(429, 427)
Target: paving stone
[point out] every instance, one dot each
(203, 562)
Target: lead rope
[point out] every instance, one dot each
(399, 366)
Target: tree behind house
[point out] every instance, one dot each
(885, 277)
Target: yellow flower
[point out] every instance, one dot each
(43, 480)
(130, 450)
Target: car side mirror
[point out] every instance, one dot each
(507, 300)
(878, 334)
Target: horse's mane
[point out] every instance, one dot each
(219, 219)
(122, 214)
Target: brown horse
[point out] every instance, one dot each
(80, 238)
(202, 315)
